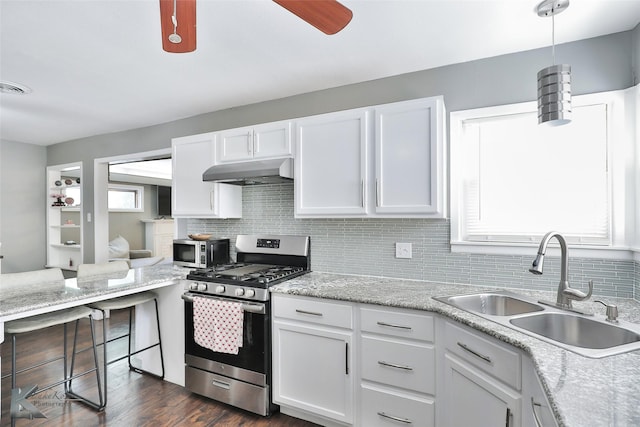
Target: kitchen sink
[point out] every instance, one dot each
(576, 330)
(492, 303)
(587, 335)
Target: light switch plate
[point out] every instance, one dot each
(403, 250)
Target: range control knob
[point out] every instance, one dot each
(239, 292)
(202, 287)
(220, 289)
(193, 286)
(250, 293)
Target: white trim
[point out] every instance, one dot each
(100, 183)
(593, 252)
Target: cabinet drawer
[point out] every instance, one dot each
(397, 324)
(313, 310)
(487, 354)
(385, 408)
(406, 365)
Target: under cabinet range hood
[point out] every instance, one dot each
(254, 172)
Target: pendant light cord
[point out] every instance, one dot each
(553, 38)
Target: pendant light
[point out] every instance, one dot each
(554, 82)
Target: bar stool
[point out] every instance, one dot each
(120, 303)
(42, 321)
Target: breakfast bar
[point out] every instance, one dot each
(18, 303)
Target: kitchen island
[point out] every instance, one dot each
(581, 391)
(17, 302)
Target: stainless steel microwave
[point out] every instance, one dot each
(200, 253)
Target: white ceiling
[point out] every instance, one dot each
(97, 66)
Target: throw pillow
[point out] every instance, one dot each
(118, 248)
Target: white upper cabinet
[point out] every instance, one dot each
(409, 158)
(348, 165)
(255, 142)
(330, 164)
(191, 196)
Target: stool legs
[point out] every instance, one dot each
(130, 353)
(68, 375)
(102, 401)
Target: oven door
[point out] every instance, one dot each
(253, 359)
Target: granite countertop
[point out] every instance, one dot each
(582, 391)
(17, 302)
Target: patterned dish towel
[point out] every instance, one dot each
(218, 325)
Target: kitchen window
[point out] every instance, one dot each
(513, 180)
(125, 198)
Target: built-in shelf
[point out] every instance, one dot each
(64, 223)
(61, 245)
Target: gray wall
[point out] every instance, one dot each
(635, 54)
(22, 206)
(129, 225)
(598, 64)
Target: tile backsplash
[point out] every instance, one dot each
(367, 247)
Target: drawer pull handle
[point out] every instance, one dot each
(393, 365)
(311, 313)
(391, 417)
(221, 384)
(475, 353)
(390, 325)
(534, 406)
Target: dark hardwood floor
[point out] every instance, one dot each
(134, 399)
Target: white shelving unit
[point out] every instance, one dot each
(64, 221)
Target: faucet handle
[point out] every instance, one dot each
(577, 295)
(612, 312)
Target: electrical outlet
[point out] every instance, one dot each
(403, 250)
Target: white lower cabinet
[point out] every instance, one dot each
(482, 380)
(473, 398)
(387, 407)
(313, 362)
(397, 368)
(536, 410)
(405, 368)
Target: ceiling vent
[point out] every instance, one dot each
(9, 87)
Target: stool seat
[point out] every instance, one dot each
(124, 302)
(42, 321)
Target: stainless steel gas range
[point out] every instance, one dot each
(228, 320)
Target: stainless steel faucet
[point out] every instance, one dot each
(565, 293)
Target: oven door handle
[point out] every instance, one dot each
(249, 307)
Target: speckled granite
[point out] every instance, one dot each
(582, 391)
(17, 302)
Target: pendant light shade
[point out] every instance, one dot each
(554, 82)
(554, 95)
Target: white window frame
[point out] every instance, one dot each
(621, 134)
(139, 191)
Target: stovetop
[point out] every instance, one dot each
(246, 274)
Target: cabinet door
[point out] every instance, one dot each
(312, 370)
(410, 158)
(235, 145)
(192, 197)
(272, 140)
(536, 410)
(257, 142)
(330, 164)
(472, 398)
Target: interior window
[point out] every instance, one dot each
(126, 198)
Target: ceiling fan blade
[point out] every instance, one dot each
(185, 18)
(328, 16)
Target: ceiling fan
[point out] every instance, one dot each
(178, 20)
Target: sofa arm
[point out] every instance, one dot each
(139, 253)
